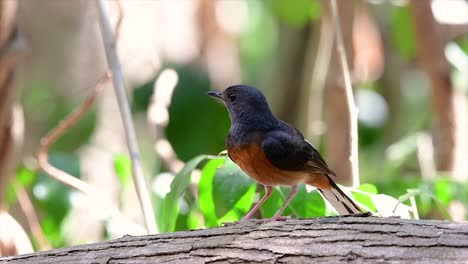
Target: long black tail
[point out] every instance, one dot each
(339, 200)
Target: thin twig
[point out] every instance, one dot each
(114, 64)
(31, 217)
(69, 122)
(62, 176)
(351, 105)
(58, 131)
(62, 127)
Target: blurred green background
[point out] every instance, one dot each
(196, 46)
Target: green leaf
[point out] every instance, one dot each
(273, 204)
(205, 191)
(366, 199)
(226, 193)
(52, 231)
(443, 190)
(194, 220)
(25, 176)
(10, 194)
(402, 33)
(241, 208)
(307, 204)
(123, 167)
(180, 183)
(304, 205)
(230, 184)
(297, 12)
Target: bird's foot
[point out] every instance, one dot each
(258, 221)
(366, 214)
(273, 219)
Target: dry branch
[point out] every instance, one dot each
(330, 240)
(350, 103)
(67, 123)
(31, 217)
(122, 98)
(431, 57)
(58, 131)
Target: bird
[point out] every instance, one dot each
(274, 153)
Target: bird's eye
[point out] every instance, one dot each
(232, 98)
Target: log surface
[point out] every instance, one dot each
(330, 240)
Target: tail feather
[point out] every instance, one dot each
(339, 200)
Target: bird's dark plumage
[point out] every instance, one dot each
(273, 152)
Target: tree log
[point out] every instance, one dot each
(331, 240)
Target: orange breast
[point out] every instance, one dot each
(252, 160)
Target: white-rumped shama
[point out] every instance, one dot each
(275, 153)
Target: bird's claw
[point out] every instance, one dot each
(273, 219)
(258, 221)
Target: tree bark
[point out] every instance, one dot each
(331, 240)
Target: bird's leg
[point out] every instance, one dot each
(268, 192)
(288, 199)
(278, 214)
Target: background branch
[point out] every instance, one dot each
(350, 103)
(31, 216)
(67, 123)
(113, 61)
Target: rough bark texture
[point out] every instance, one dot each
(331, 240)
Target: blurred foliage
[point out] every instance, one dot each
(296, 12)
(402, 34)
(198, 126)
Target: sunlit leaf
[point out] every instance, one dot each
(123, 167)
(25, 177)
(303, 205)
(241, 207)
(226, 193)
(306, 204)
(180, 183)
(205, 191)
(402, 33)
(229, 185)
(296, 12)
(365, 199)
(53, 231)
(443, 190)
(193, 220)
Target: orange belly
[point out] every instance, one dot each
(252, 160)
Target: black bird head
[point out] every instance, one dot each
(246, 105)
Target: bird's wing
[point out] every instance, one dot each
(289, 151)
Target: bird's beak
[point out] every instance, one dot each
(215, 94)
